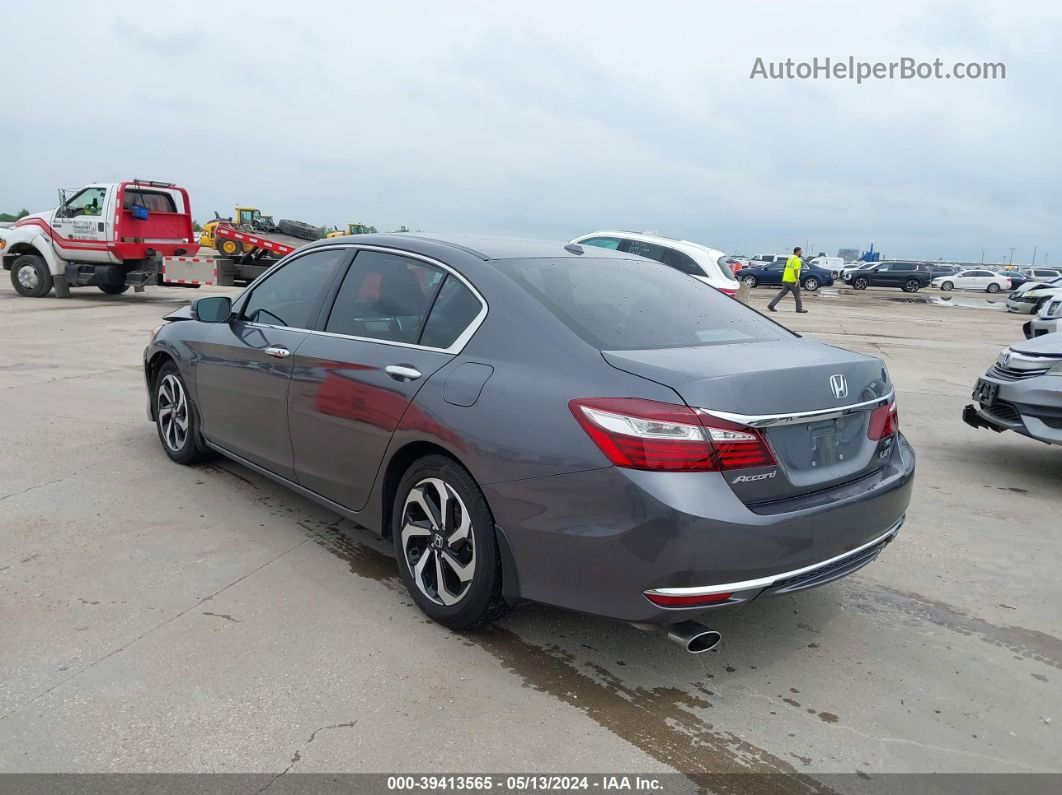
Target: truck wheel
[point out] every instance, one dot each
(175, 417)
(230, 248)
(30, 276)
(114, 289)
(299, 229)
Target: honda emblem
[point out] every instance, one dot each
(839, 386)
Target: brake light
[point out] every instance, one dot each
(884, 422)
(726, 291)
(650, 435)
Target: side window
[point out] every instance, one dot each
(602, 242)
(650, 250)
(979, 273)
(453, 312)
(682, 262)
(86, 202)
(291, 296)
(385, 297)
(884, 268)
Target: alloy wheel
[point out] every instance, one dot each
(172, 408)
(437, 541)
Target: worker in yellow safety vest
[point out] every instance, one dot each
(790, 282)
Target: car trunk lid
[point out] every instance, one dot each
(812, 402)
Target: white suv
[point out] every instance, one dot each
(700, 262)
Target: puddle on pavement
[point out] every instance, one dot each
(995, 304)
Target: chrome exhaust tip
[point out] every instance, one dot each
(693, 637)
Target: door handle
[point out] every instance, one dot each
(402, 372)
(278, 353)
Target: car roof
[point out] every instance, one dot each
(663, 240)
(483, 247)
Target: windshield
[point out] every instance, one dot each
(618, 305)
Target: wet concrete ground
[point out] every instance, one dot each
(161, 618)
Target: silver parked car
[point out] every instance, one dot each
(1022, 391)
(1047, 321)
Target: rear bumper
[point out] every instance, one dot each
(597, 541)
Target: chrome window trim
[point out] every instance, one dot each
(766, 420)
(766, 582)
(455, 348)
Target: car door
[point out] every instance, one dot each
(881, 276)
(244, 367)
(80, 224)
(396, 319)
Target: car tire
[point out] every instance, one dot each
(947, 286)
(299, 229)
(749, 281)
(30, 276)
(172, 406)
(911, 286)
(462, 550)
(113, 289)
(861, 283)
(993, 288)
(811, 284)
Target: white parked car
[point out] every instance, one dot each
(701, 262)
(1031, 296)
(977, 279)
(1047, 321)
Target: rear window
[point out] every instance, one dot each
(618, 305)
(155, 201)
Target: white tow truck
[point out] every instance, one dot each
(111, 235)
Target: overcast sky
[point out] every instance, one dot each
(551, 119)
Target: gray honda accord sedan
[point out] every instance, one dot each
(533, 421)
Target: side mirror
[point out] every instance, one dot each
(213, 309)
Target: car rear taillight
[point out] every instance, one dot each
(884, 422)
(726, 291)
(650, 435)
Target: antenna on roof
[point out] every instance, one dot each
(574, 248)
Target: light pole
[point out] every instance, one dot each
(982, 256)
(1034, 254)
(1011, 260)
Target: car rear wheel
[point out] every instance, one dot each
(811, 284)
(861, 283)
(175, 417)
(30, 276)
(749, 281)
(447, 550)
(993, 288)
(911, 286)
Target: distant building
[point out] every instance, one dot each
(848, 254)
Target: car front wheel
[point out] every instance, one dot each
(911, 286)
(175, 417)
(861, 283)
(947, 286)
(445, 543)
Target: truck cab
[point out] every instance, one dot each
(109, 235)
